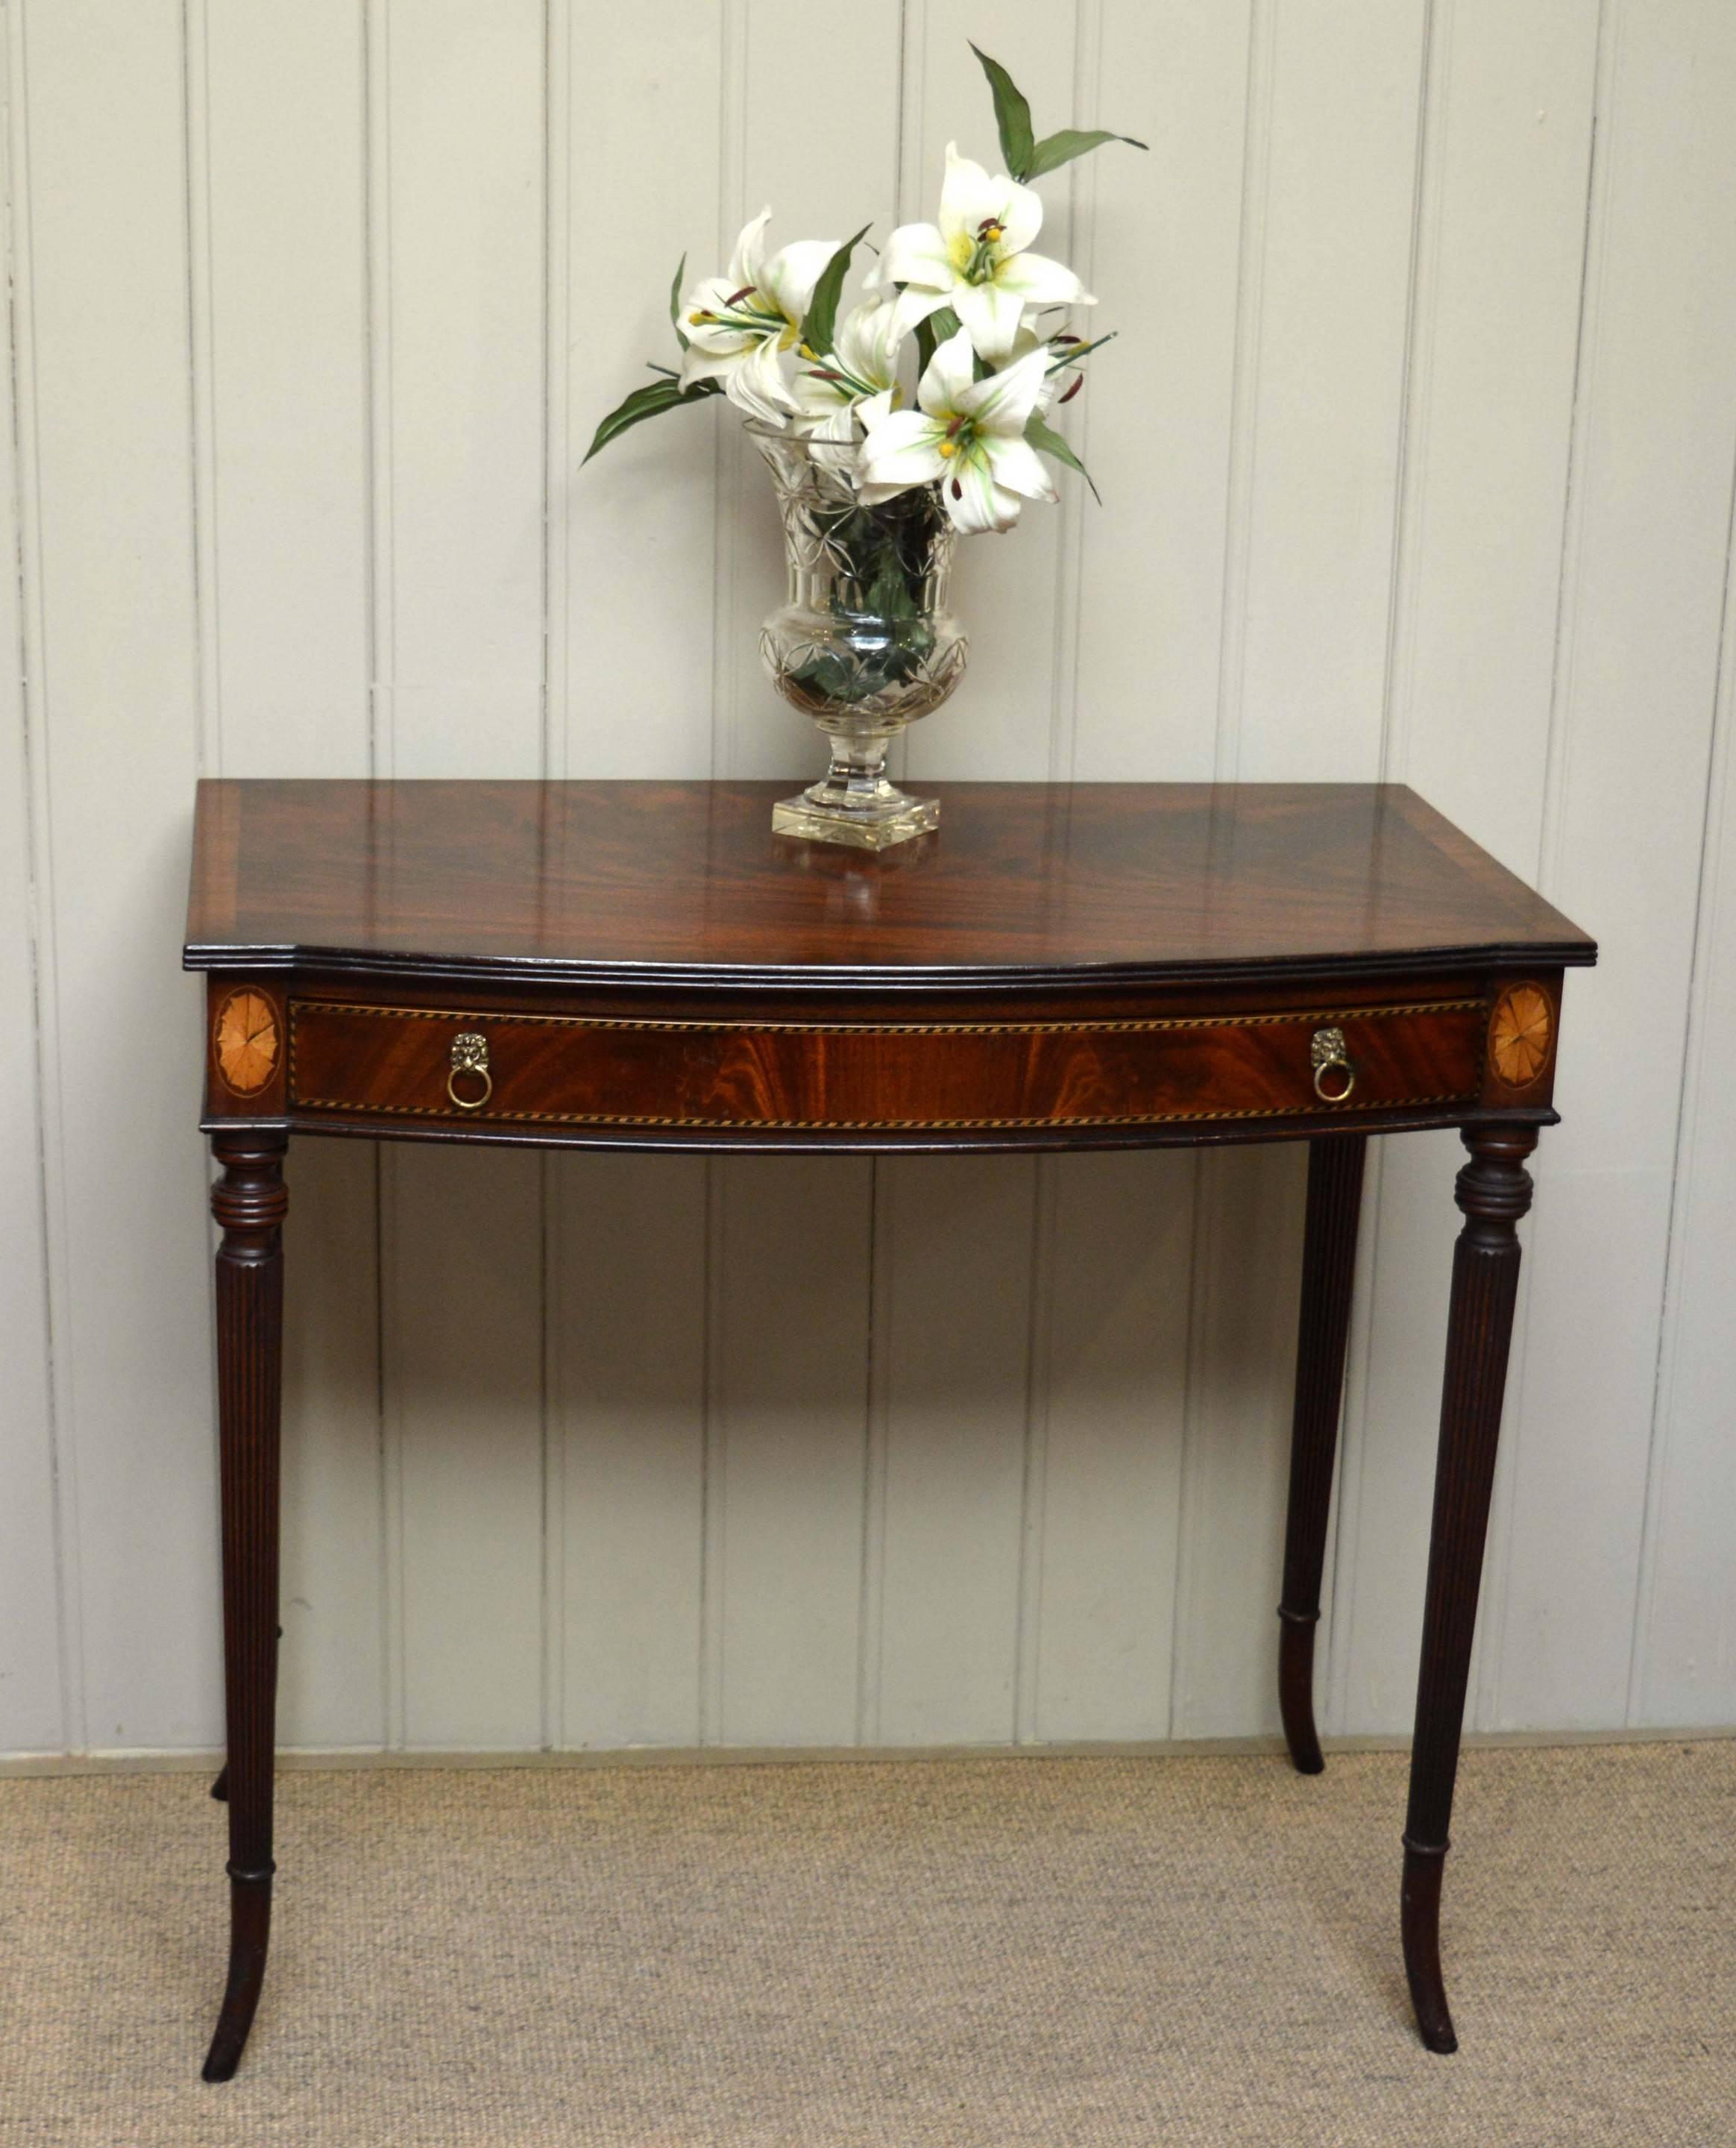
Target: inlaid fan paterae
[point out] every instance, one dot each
(1519, 1034)
(247, 1042)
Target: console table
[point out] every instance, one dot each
(1095, 966)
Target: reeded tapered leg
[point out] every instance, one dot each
(1329, 1260)
(248, 1201)
(1494, 1190)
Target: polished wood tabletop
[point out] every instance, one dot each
(646, 965)
(649, 882)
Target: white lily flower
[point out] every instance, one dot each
(968, 433)
(846, 423)
(739, 325)
(861, 368)
(976, 260)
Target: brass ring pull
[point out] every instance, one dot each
(1334, 1076)
(470, 1056)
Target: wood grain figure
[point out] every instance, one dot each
(645, 965)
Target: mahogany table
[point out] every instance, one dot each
(646, 965)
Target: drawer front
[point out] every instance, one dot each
(570, 1070)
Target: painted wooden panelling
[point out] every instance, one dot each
(1684, 1666)
(1417, 449)
(632, 562)
(280, 409)
(1493, 334)
(32, 1646)
(1330, 167)
(1641, 614)
(111, 629)
(457, 249)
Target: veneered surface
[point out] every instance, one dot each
(650, 882)
(552, 1069)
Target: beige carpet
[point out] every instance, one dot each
(1062, 1952)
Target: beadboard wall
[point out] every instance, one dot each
(1417, 452)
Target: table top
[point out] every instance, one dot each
(676, 882)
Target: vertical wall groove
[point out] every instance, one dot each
(24, 568)
(383, 756)
(1244, 393)
(1228, 716)
(43, 932)
(1491, 1654)
(377, 224)
(1027, 1727)
(201, 410)
(732, 213)
(1585, 367)
(1418, 350)
(871, 1626)
(557, 398)
(712, 1546)
(1076, 503)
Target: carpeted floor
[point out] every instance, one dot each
(1063, 1953)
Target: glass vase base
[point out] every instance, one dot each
(877, 829)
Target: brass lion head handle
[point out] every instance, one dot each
(469, 1064)
(1334, 1076)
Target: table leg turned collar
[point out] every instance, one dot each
(248, 1201)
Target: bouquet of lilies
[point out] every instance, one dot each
(962, 309)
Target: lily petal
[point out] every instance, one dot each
(1017, 467)
(1038, 281)
(1002, 404)
(839, 423)
(794, 270)
(948, 378)
(990, 315)
(1024, 343)
(868, 340)
(747, 262)
(1021, 218)
(698, 363)
(757, 385)
(914, 304)
(969, 199)
(975, 502)
(815, 397)
(712, 296)
(917, 253)
(903, 449)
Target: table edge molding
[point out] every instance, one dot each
(519, 972)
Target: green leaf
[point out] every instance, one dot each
(1012, 116)
(821, 323)
(647, 401)
(1061, 148)
(674, 302)
(941, 327)
(1044, 437)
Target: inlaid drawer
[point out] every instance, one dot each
(559, 1069)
